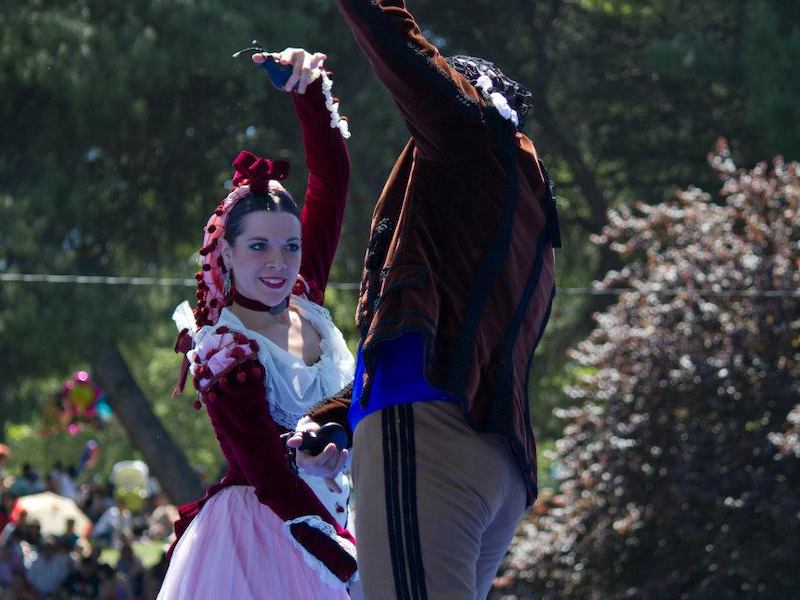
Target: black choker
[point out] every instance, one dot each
(251, 304)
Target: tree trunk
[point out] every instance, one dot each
(3, 412)
(166, 461)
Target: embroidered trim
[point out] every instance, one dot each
(501, 418)
(521, 453)
(282, 417)
(552, 227)
(496, 99)
(332, 104)
(418, 279)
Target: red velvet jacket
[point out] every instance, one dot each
(461, 249)
(236, 401)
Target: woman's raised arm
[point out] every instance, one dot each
(328, 168)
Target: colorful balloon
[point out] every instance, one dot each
(81, 402)
(82, 396)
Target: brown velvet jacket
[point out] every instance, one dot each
(461, 246)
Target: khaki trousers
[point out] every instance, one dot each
(436, 504)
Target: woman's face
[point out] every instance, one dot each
(265, 257)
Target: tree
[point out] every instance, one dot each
(146, 432)
(680, 464)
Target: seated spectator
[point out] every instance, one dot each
(50, 568)
(155, 577)
(20, 589)
(6, 504)
(161, 524)
(20, 554)
(61, 481)
(69, 483)
(114, 585)
(98, 499)
(5, 453)
(130, 565)
(85, 582)
(27, 483)
(6, 568)
(152, 583)
(114, 525)
(14, 536)
(69, 537)
(108, 585)
(54, 477)
(31, 532)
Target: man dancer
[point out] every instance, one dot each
(456, 292)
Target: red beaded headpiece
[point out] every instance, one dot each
(252, 176)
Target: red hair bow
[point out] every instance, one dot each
(256, 172)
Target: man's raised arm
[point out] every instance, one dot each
(440, 107)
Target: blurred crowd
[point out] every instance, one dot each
(80, 559)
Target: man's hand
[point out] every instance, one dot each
(327, 464)
(305, 66)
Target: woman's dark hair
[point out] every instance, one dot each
(278, 201)
(518, 96)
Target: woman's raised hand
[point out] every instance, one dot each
(304, 66)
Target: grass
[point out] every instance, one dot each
(148, 552)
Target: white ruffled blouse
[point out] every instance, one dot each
(293, 387)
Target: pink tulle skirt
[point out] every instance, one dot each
(236, 548)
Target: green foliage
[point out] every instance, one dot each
(32, 445)
(190, 428)
(770, 64)
(157, 369)
(341, 303)
(680, 461)
(150, 553)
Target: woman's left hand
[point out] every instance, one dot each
(303, 64)
(327, 464)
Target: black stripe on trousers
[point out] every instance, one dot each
(393, 516)
(401, 502)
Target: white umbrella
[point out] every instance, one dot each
(52, 512)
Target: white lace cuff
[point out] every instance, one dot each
(312, 561)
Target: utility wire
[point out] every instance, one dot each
(116, 280)
(338, 285)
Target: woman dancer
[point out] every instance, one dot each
(262, 351)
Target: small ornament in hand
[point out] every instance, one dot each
(323, 450)
(314, 442)
(279, 74)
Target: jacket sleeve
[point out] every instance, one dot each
(326, 194)
(235, 396)
(335, 410)
(441, 108)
